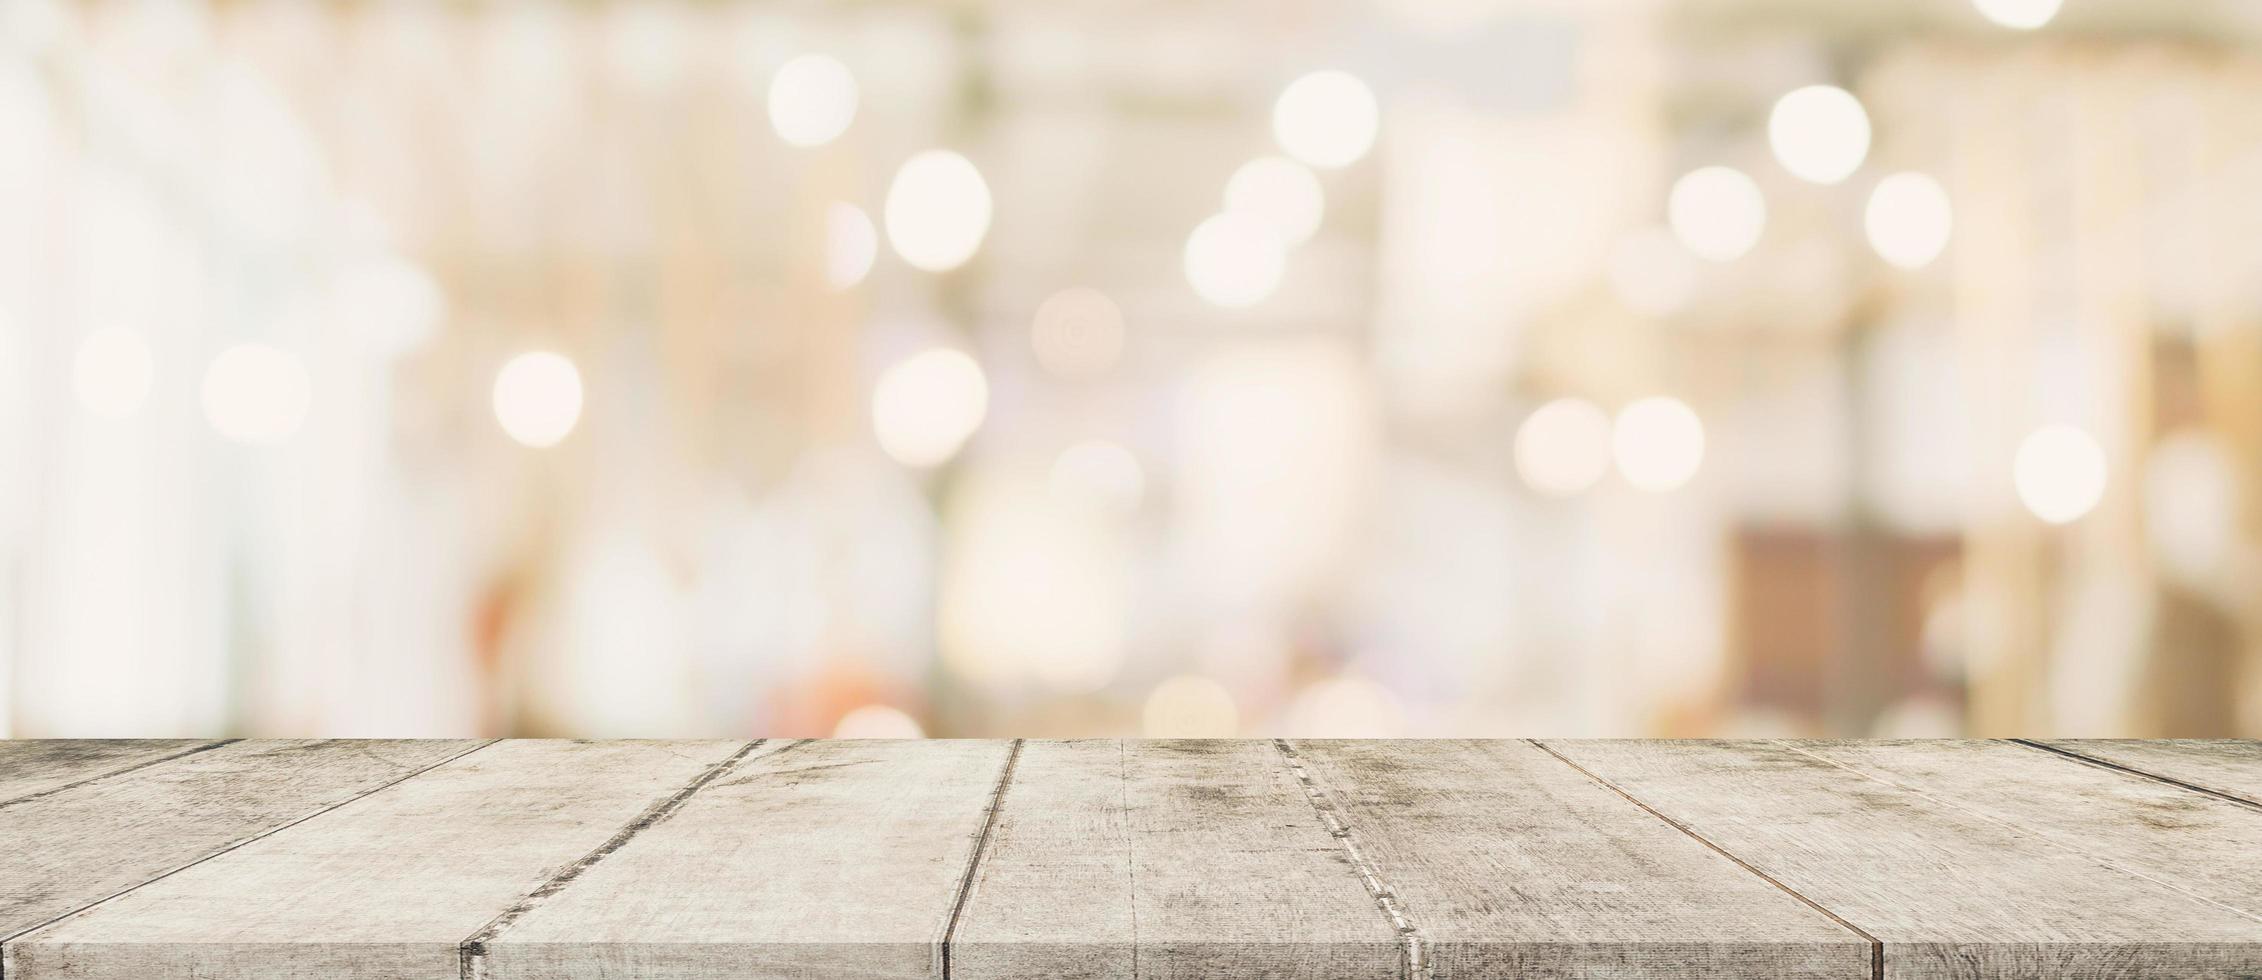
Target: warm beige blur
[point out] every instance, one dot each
(619, 368)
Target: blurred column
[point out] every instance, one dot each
(2101, 379)
(2228, 340)
(1993, 289)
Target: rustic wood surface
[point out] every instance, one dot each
(83, 843)
(1594, 886)
(30, 769)
(2231, 768)
(1166, 859)
(1015, 860)
(1948, 892)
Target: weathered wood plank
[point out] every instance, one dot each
(75, 847)
(387, 887)
(32, 768)
(1192, 859)
(2232, 767)
(817, 860)
(1950, 892)
(2188, 841)
(1511, 863)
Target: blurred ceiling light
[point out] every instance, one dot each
(851, 244)
(2059, 473)
(812, 100)
(111, 372)
(1717, 213)
(2024, 15)
(1280, 192)
(927, 405)
(1659, 443)
(1187, 706)
(938, 209)
(877, 721)
(256, 395)
(538, 398)
(1326, 119)
(1908, 220)
(1077, 332)
(1101, 472)
(1651, 274)
(1234, 260)
(1819, 133)
(1564, 447)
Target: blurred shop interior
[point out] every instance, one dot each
(1130, 367)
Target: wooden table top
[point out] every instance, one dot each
(1332, 860)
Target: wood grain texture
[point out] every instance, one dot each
(2232, 767)
(78, 846)
(386, 887)
(1165, 859)
(30, 768)
(2191, 842)
(1513, 864)
(1951, 893)
(1104, 859)
(817, 860)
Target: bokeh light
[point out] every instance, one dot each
(812, 100)
(1189, 706)
(926, 406)
(2024, 15)
(1234, 260)
(1819, 133)
(1659, 443)
(1563, 447)
(1012, 437)
(851, 245)
(1034, 594)
(1326, 119)
(537, 398)
(877, 721)
(1280, 192)
(111, 372)
(938, 210)
(256, 395)
(2059, 473)
(1908, 220)
(1099, 472)
(1717, 213)
(1077, 332)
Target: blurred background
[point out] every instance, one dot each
(1115, 367)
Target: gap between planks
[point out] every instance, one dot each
(120, 771)
(974, 861)
(1413, 954)
(1876, 945)
(2066, 753)
(471, 954)
(1130, 862)
(6, 951)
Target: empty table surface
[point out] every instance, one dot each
(1330, 860)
